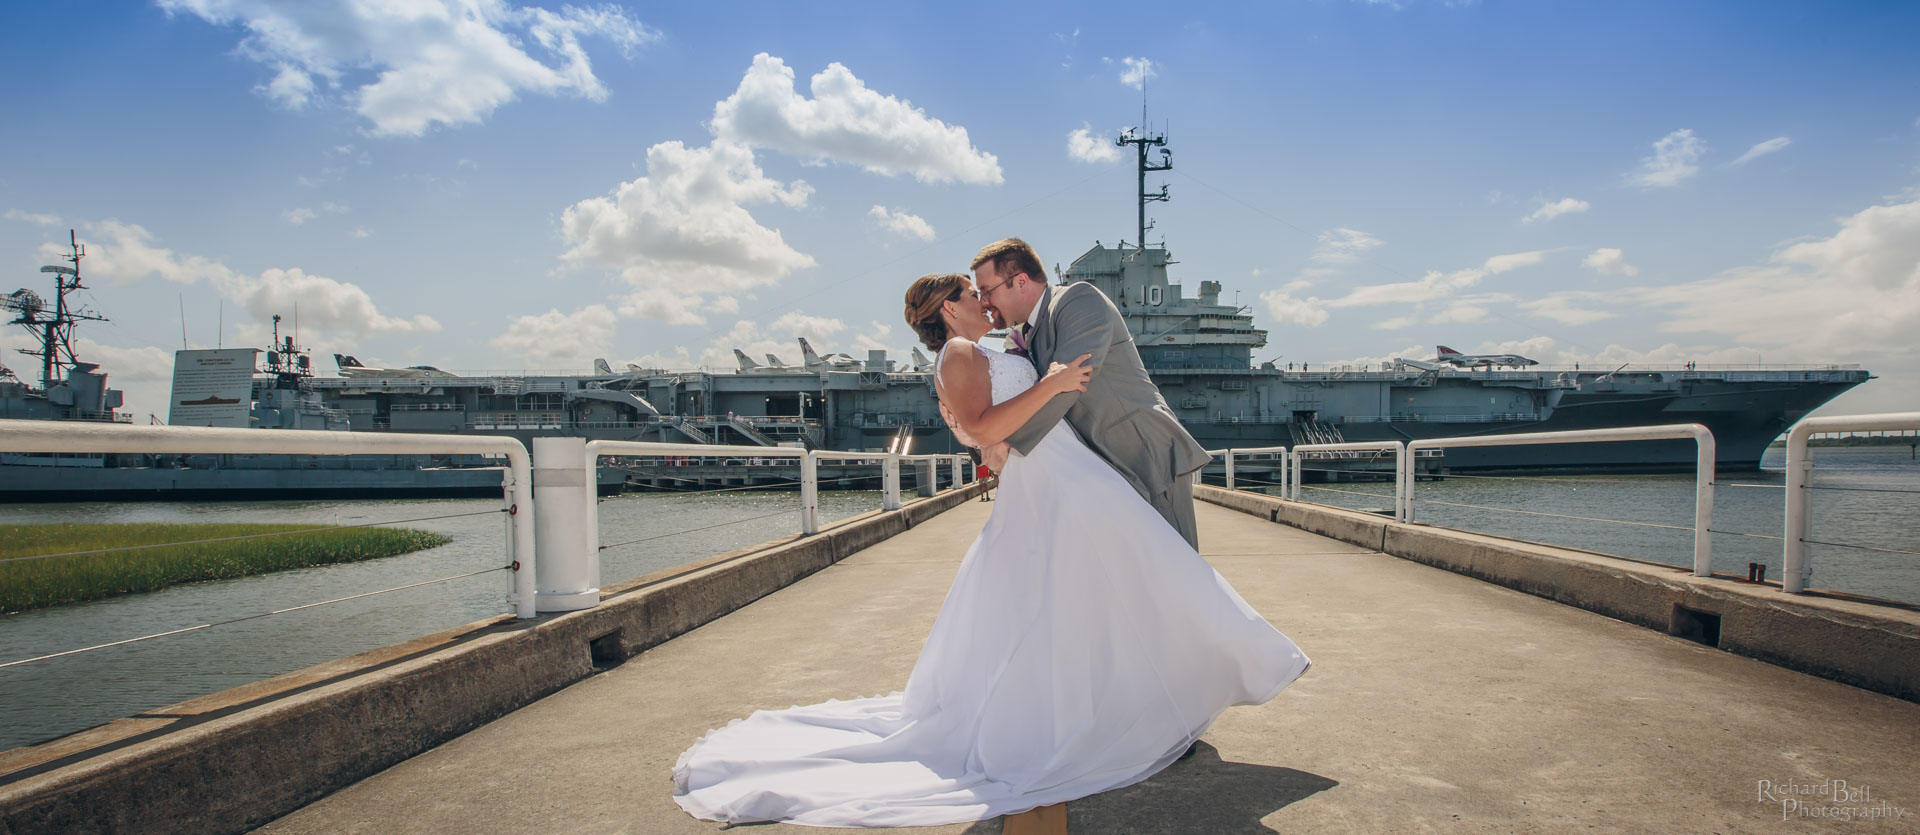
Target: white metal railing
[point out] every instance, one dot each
(569, 573)
(1232, 454)
(1400, 468)
(1796, 567)
(64, 436)
(1703, 468)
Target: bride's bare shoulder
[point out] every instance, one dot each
(960, 349)
(959, 360)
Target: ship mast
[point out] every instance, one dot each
(53, 328)
(1141, 142)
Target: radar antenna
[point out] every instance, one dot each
(53, 328)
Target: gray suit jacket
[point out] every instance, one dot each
(1121, 415)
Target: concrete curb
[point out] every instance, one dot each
(234, 760)
(1871, 645)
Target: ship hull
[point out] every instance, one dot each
(1743, 417)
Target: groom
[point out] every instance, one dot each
(1121, 414)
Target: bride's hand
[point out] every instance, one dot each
(1071, 377)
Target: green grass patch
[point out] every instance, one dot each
(31, 584)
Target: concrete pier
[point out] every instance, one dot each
(1437, 701)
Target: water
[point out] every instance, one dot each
(1748, 503)
(49, 698)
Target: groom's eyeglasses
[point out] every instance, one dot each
(987, 292)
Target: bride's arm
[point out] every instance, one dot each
(968, 393)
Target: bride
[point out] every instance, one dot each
(1083, 646)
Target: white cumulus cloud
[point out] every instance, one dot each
(1566, 308)
(37, 218)
(338, 309)
(1341, 246)
(901, 223)
(329, 310)
(1861, 284)
(1135, 72)
(1549, 211)
(1676, 157)
(554, 339)
(1762, 149)
(681, 233)
(1503, 263)
(408, 66)
(1283, 306)
(1608, 261)
(1083, 146)
(846, 122)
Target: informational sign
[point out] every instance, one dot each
(212, 388)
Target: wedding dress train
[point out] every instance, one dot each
(1082, 647)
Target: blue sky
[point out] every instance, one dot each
(502, 185)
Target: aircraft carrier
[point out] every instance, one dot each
(1198, 350)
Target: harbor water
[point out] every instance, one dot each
(1864, 496)
(59, 696)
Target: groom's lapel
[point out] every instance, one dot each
(1042, 341)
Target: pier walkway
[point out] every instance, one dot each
(1436, 702)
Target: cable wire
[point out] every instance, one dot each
(756, 486)
(249, 617)
(1862, 547)
(692, 530)
(247, 536)
(1864, 489)
(1557, 515)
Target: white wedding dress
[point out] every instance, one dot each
(1083, 646)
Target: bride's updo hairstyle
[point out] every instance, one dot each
(923, 305)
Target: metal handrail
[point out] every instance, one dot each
(1402, 469)
(570, 533)
(1796, 567)
(1233, 453)
(64, 436)
(1703, 469)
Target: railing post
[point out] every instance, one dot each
(567, 562)
(890, 482)
(1299, 465)
(959, 471)
(926, 477)
(1230, 470)
(1703, 476)
(1794, 570)
(1406, 479)
(517, 483)
(810, 493)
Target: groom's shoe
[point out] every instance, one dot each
(1191, 750)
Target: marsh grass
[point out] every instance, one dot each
(31, 584)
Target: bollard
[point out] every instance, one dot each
(1230, 470)
(566, 525)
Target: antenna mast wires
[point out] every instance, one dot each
(54, 328)
(1142, 140)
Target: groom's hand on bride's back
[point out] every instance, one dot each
(1068, 377)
